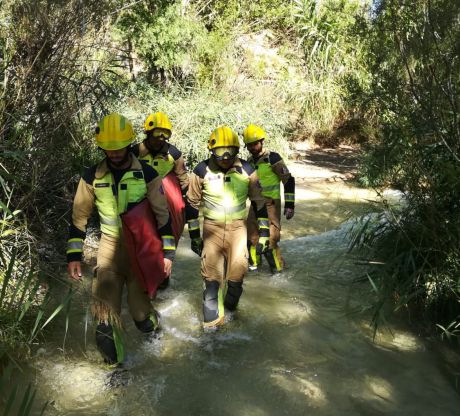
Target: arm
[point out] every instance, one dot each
(258, 204)
(180, 169)
(285, 176)
(181, 172)
(159, 205)
(193, 196)
(83, 205)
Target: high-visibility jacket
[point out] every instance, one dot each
(97, 188)
(130, 190)
(271, 171)
(168, 158)
(224, 194)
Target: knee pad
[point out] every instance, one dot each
(211, 301)
(106, 343)
(232, 297)
(149, 324)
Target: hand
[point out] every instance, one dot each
(262, 245)
(197, 245)
(289, 213)
(74, 270)
(167, 266)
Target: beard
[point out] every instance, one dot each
(119, 163)
(154, 146)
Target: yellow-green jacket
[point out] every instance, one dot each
(168, 158)
(271, 171)
(224, 194)
(98, 188)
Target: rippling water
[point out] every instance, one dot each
(294, 347)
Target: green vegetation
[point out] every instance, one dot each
(412, 102)
(303, 69)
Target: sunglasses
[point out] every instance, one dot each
(223, 153)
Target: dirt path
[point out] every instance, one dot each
(325, 193)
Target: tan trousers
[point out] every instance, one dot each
(225, 252)
(274, 216)
(112, 273)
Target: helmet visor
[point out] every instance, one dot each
(223, 153)
(161, 134)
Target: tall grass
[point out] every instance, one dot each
(196, 113)
(415, 66)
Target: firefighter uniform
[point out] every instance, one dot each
(168, 158)
(271, 171)
(224, 256)
(113, 192)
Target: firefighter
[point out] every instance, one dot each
(223, 183)
(114, 185)
(158, 152)
(165, 158)
(271, 170)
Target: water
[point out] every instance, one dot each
(296, 345)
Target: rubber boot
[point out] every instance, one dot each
(213, 313)
(164, 284)
(273, 261)
(232, 297)
(254, 258)
(109, 343)
(149, 324)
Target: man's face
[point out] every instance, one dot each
(225, 164)
(118, 158)
(225, 156)
(156, 139)
(255, 147)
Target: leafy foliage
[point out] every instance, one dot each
(413, 56)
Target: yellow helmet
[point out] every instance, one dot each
(157, 120)
(253, 133)
(223, 136)
(114, 132)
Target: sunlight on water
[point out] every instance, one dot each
(402, 341)
(379, 387)
(314, 395)
(292, 348)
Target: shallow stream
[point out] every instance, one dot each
(296, 345)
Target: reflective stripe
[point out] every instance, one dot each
(263, 222)
(75, 245)
(227, 210)
(270, 188)
(169, 243)
(193, 225)
(108, 221)
(289, 197)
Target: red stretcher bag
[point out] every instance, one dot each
(144, 246)
(176, 204)
(143, 242)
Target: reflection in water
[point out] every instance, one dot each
(292, 348)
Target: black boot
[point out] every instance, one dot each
(164, 284)
(232, 297)
(149, 324)
(211, 304)
(105, 343)
(272, 260)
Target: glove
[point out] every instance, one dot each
(289, 213)
(262, 245)
(197, 245)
